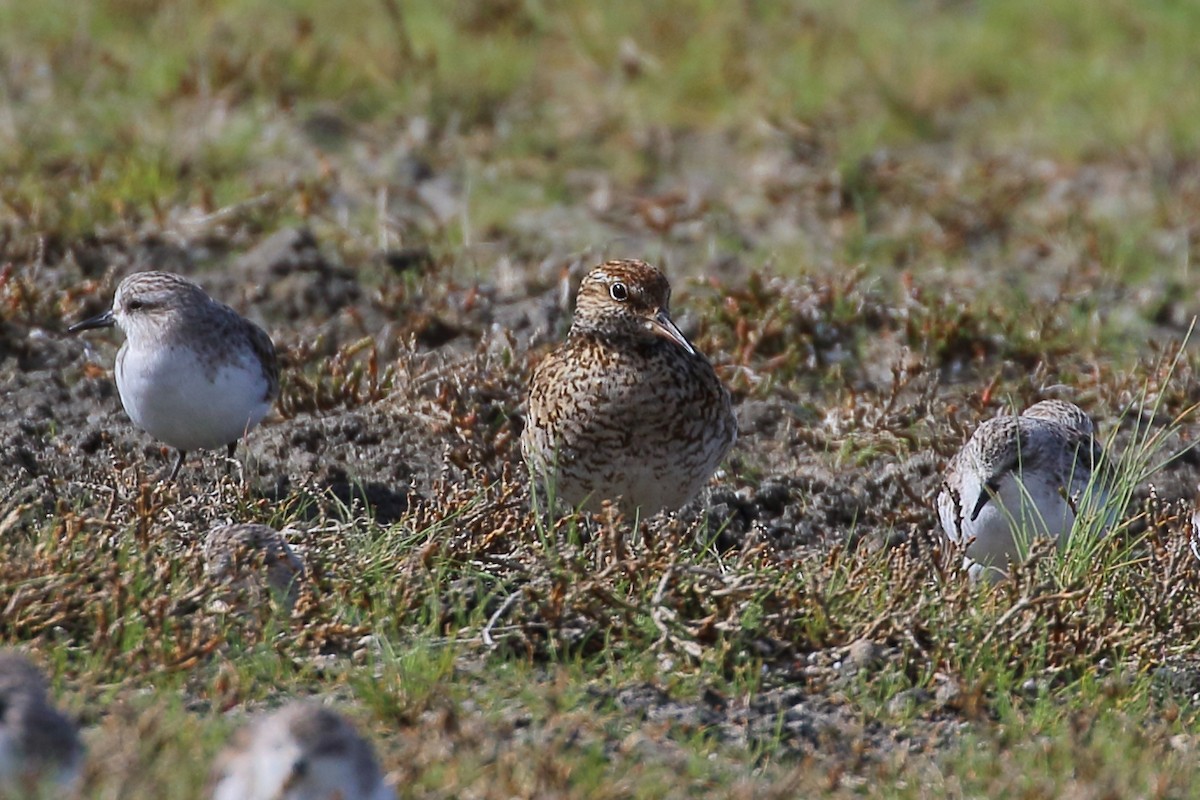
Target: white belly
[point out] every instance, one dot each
(168, 394)
(1009, 522)
(1195, 537)
(266, 772)
(650, 485)
(1007, 525)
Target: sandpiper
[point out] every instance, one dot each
(303, 751)
(39, 746)
(192, 372)
(254, 557)
(1019, 477)
(626, 409)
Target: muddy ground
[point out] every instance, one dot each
(404, 384)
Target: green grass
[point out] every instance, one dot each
(108, 126)
(423, 663)
(881, 216)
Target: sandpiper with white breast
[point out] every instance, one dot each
(39, 746)
(192, 372)
(1019, 477)
(303, 751)
(626, 409)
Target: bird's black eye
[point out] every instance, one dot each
(135, 305)
(619, 292)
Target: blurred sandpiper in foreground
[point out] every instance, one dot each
(39, 747)
(303, 751)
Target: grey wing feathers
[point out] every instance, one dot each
(265, 349)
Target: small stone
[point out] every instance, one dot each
(863, 654)
(948, 694)
(908, 701)
(773, 496)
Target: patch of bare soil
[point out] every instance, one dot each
(395, 389)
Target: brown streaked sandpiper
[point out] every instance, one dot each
(626, 409)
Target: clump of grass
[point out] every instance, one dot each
(1087, 546)
(351, 378)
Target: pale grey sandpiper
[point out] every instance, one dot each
(192, 372)
(303, 751)
(39, 746)
(1021, 476)
(254, 557)
(626, 409)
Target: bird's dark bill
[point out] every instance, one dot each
(104, 320)
(661, 325)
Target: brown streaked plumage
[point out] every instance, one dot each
(252, 557)
(626, 409)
